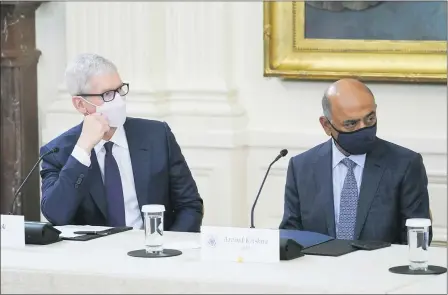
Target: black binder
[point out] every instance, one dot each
(331, 248)
(98, 234)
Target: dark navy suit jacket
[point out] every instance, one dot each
(74, 194)
(393, 188)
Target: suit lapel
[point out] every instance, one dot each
(96, 185)
(323, 178)
(371, 177)
(138, 150)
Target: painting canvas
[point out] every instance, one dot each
(376, 20)
(371, 40)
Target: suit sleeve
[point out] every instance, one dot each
(291, 211)
(62, 188)
(188, 205)
(414, 198)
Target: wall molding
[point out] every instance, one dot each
(439, 236)
(304, 141)
(203, 171)
(241, 137)
(437, 177)
(206, 102)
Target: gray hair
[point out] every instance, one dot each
(326, 107)
(83, 67)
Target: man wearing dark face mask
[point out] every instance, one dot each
(355, 186)
(110, 165)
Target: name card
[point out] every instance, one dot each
(13, 231)
(240, 244)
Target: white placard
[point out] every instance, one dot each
(13, 231)
(240, 244)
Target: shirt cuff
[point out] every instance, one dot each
(79, 154)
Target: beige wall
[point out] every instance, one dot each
(199, 67)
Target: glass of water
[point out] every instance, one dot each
(153, 219)
(418, 241)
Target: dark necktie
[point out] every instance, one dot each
(114, 189)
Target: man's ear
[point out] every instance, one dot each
(79, 104)
(325, 125)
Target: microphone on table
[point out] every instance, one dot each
(38, 233)
(52, 151)
(289, 248)
(282, 153)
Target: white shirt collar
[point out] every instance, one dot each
(119, 138)
(338, 156)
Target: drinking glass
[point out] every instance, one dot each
(418, 240)
(153, 219)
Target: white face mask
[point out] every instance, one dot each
(114, 110)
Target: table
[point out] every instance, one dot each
(103, 266)
(433, 285)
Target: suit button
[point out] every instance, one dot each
(76, 186)
(79, 181)
(82, 175)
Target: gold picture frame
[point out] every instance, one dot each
(287, 54)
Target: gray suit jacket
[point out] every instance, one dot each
(393, 189)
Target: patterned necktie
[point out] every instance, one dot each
(349, 203)
(114, 189)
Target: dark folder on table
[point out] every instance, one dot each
(98, 234)
(318, 244)
(304, 238)
(331, 248)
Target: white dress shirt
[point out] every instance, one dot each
(120, 151)
(339, 173)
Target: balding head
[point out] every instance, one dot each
(346, 92)
(349, 105)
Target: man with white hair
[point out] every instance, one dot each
(110, 165)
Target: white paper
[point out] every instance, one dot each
(13, 231)
(240, 244)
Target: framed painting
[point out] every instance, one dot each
(370, 40)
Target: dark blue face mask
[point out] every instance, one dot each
(357, 142)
